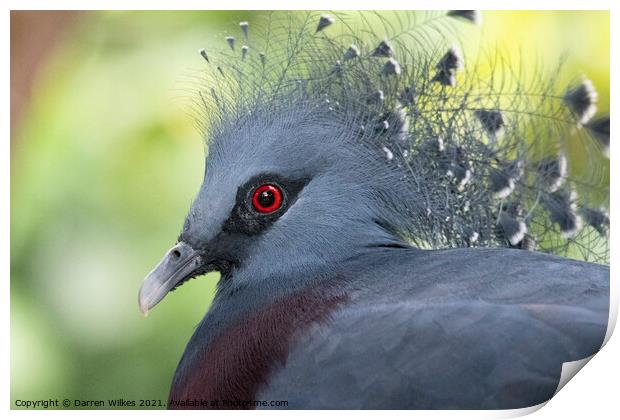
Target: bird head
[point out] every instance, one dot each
(286, 190)
(321, 149)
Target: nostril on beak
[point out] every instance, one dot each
(175, 254)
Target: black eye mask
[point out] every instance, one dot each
(244, 218)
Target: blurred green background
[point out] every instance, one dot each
(105, 160)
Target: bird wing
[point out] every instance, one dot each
(424, 347)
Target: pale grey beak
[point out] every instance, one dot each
(179, 264)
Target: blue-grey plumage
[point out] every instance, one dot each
(454, 329)
(600, 130)
(327, 185)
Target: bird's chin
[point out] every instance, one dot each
(180, 264)
(207, 269)
(224, 267)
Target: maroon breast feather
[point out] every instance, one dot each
(238, 362)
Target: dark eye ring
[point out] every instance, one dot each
(267, 198)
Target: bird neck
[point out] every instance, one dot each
(231, 358)
(251, 325)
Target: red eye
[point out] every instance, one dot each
(267, 198)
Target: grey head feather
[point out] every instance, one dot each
(204, 55)
(599, 128)
(562, 207)
(443, 164)
(596, 218)
(230, 40)
(407, 97)
(391, 67)
(340, 175)
(472, 16)
(492, 121)
(324, 22)
(502, 180)
(352, 52)
(553, 172)
(384, 49)
(244, 28)
(447, 67)
(582, 100)
(514, 230)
